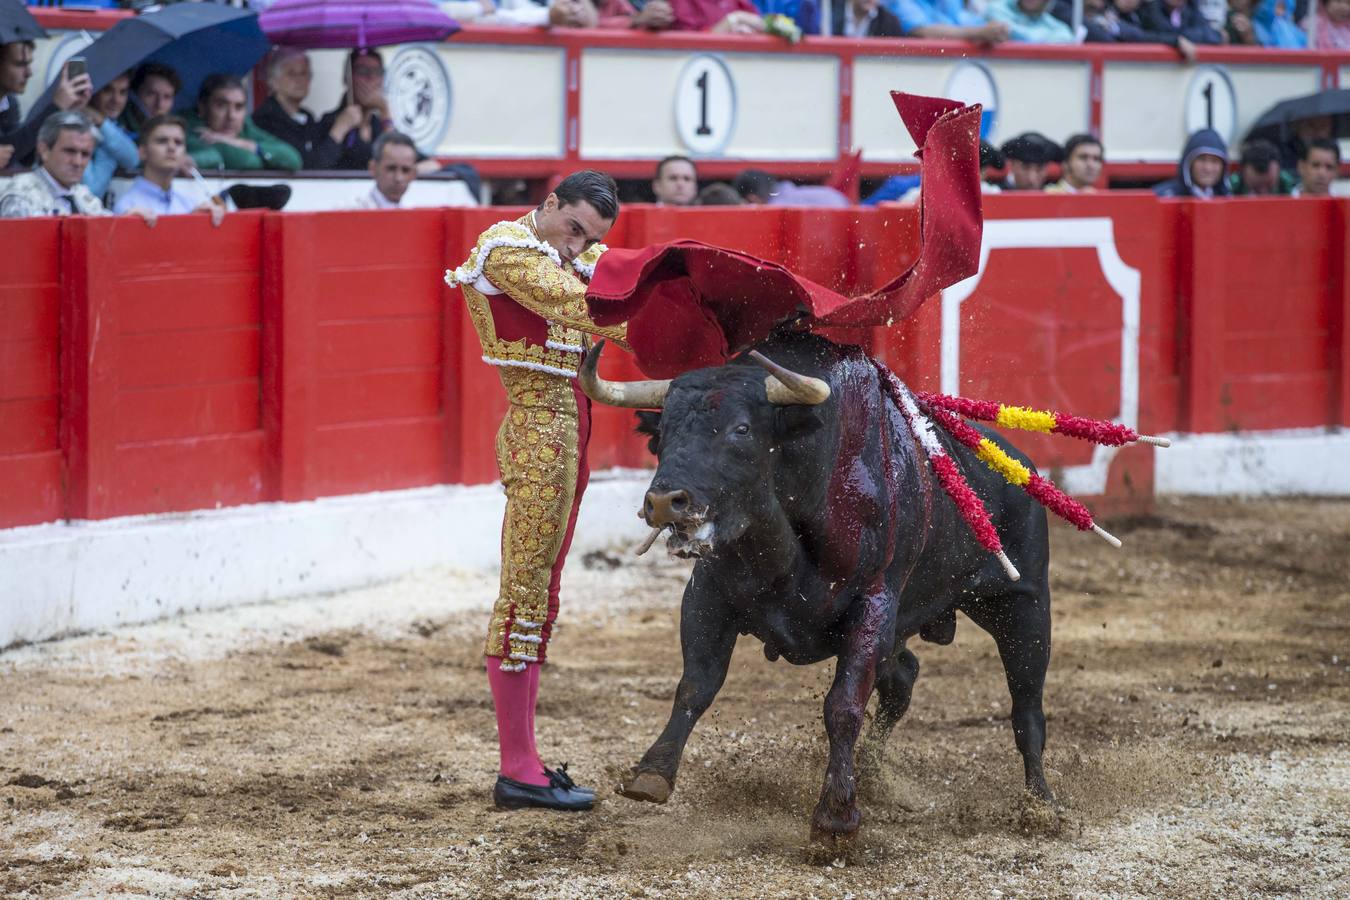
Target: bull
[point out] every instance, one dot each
(818, 527)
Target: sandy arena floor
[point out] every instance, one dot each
(1198, 703)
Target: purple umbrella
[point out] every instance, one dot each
(314, 24)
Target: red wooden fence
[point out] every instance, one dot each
(287, 357)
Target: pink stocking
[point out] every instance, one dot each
(513, 696)
(532, 671)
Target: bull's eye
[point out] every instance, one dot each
(742, 428)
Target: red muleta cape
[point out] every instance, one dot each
(689, 305)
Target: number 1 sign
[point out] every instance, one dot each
(705, 105)
(1211, 102)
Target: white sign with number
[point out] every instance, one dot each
(1211, 102)
(705, 105)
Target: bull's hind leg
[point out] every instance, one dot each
(1020, 625)
(895, 685)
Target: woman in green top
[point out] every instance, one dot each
(222, 136)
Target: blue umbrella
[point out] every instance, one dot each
(18, 24)
(194, 39)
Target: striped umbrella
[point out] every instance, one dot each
(314, 24)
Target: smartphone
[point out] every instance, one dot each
(75, 67)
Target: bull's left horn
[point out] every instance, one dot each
(628, 394)
(785, 387)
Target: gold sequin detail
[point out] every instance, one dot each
(537, 455)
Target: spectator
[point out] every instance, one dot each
(654, 15)
(864, 18)
(18, 136)
(1299, 134)
(1329, 25)
(991, 164)
(676, 181)
(393, 165)
(759, 187)
(1028, 154)
(723, 16)
(1317, 168)
(1273, 22)
(65, 143)
(1180, 18)
(1238, 27)
(222, 136)
(288, 79)
(363, 114)
(719, 193)
(1259, 172)
(510, 12)
(115, 149)
(1215, 12)
(1029, 22)
(1106, 23)
(1200, 170)
(162, 144)
(154, 92)
(948, 20)
(1082, 166)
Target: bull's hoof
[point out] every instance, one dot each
(829, 847)
(1040, 815)
(646, 786)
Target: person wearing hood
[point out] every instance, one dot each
(1273, 23)
(1200, 171)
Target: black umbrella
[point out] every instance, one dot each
(1276, 124)
(18, 24)
(194, 39)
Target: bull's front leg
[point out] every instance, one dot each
(869, 638)
(707, 638)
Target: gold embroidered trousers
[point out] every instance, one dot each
(541, 453)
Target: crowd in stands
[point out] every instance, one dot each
(1181, 24)
(83, 138)
(140, 123)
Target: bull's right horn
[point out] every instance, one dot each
(628, 394)
(785, 387)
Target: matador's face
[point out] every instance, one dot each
(570, 228)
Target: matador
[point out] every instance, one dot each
(525, 288)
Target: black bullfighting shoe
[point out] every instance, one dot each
(511, 794)
(560, 778)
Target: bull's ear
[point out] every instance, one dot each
(649, 423)
(797, 421)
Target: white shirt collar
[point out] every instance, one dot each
(380, 200)
(854, 27)
(53, 185)
(4, 102)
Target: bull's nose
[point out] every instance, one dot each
(666, 507)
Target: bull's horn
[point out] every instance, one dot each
(785, 387)
(628, 394)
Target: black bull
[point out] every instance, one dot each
(822, 531)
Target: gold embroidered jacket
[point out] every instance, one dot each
(528, 309)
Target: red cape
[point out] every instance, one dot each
(689, 305)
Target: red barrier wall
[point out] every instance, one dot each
(31, 488)
(160, 364)
(286, 357)
(1262, 299)
(354, 323)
